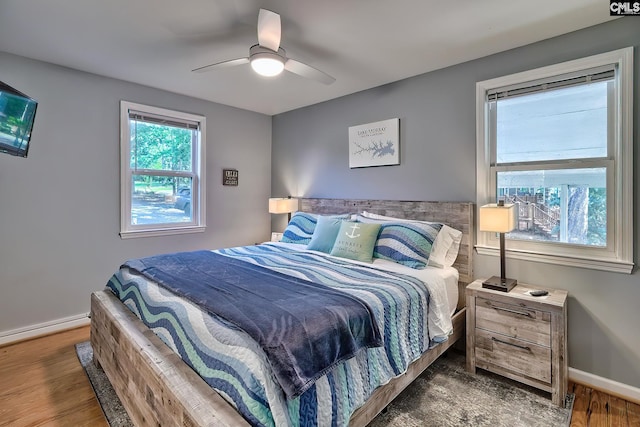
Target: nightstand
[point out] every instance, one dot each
(519, 336)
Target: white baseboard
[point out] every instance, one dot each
(7, 337)
(612, 387)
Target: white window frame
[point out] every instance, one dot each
(198, 223)
(618, 254)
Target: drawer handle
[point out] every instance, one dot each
(521, 313)
(523, 347)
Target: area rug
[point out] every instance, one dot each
(445, 395)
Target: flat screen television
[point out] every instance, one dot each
(17, 112)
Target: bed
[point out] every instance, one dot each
(158, 388)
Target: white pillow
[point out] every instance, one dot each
(445, 248)
(448, 244)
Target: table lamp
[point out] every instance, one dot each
(498, 218)
(283, 205)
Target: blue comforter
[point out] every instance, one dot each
(305, 328)
(233, 364)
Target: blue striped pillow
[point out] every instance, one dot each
(301, 227)
(407, 243)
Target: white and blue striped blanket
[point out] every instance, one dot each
(235, 365)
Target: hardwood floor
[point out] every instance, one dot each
(594, 408)
(43, 384)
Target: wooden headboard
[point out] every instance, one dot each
(458, 215)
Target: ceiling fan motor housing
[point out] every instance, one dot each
(256, 51)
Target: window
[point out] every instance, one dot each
(557, 142)
(162, 156)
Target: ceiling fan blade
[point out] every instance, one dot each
(269, 29)
(223, 64)
(304, 70)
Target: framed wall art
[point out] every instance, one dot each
(375, 144)
(230, 177)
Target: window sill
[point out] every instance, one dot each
(160, 232)
(614, 266)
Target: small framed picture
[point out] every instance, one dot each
(230, 177)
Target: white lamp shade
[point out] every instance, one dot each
(497, 219)
(282, 205)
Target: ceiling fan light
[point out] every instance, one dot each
(267, 66)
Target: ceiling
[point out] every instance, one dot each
(362, 43)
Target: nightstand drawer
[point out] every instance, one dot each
(514, 356)
(514, 321)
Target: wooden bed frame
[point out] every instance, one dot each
(157, 388)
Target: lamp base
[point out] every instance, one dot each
(497, 284)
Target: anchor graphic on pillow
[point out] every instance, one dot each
(353, 231)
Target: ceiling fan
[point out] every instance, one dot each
(267, 58)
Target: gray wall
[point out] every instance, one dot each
(438, 155)
(60, 207)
